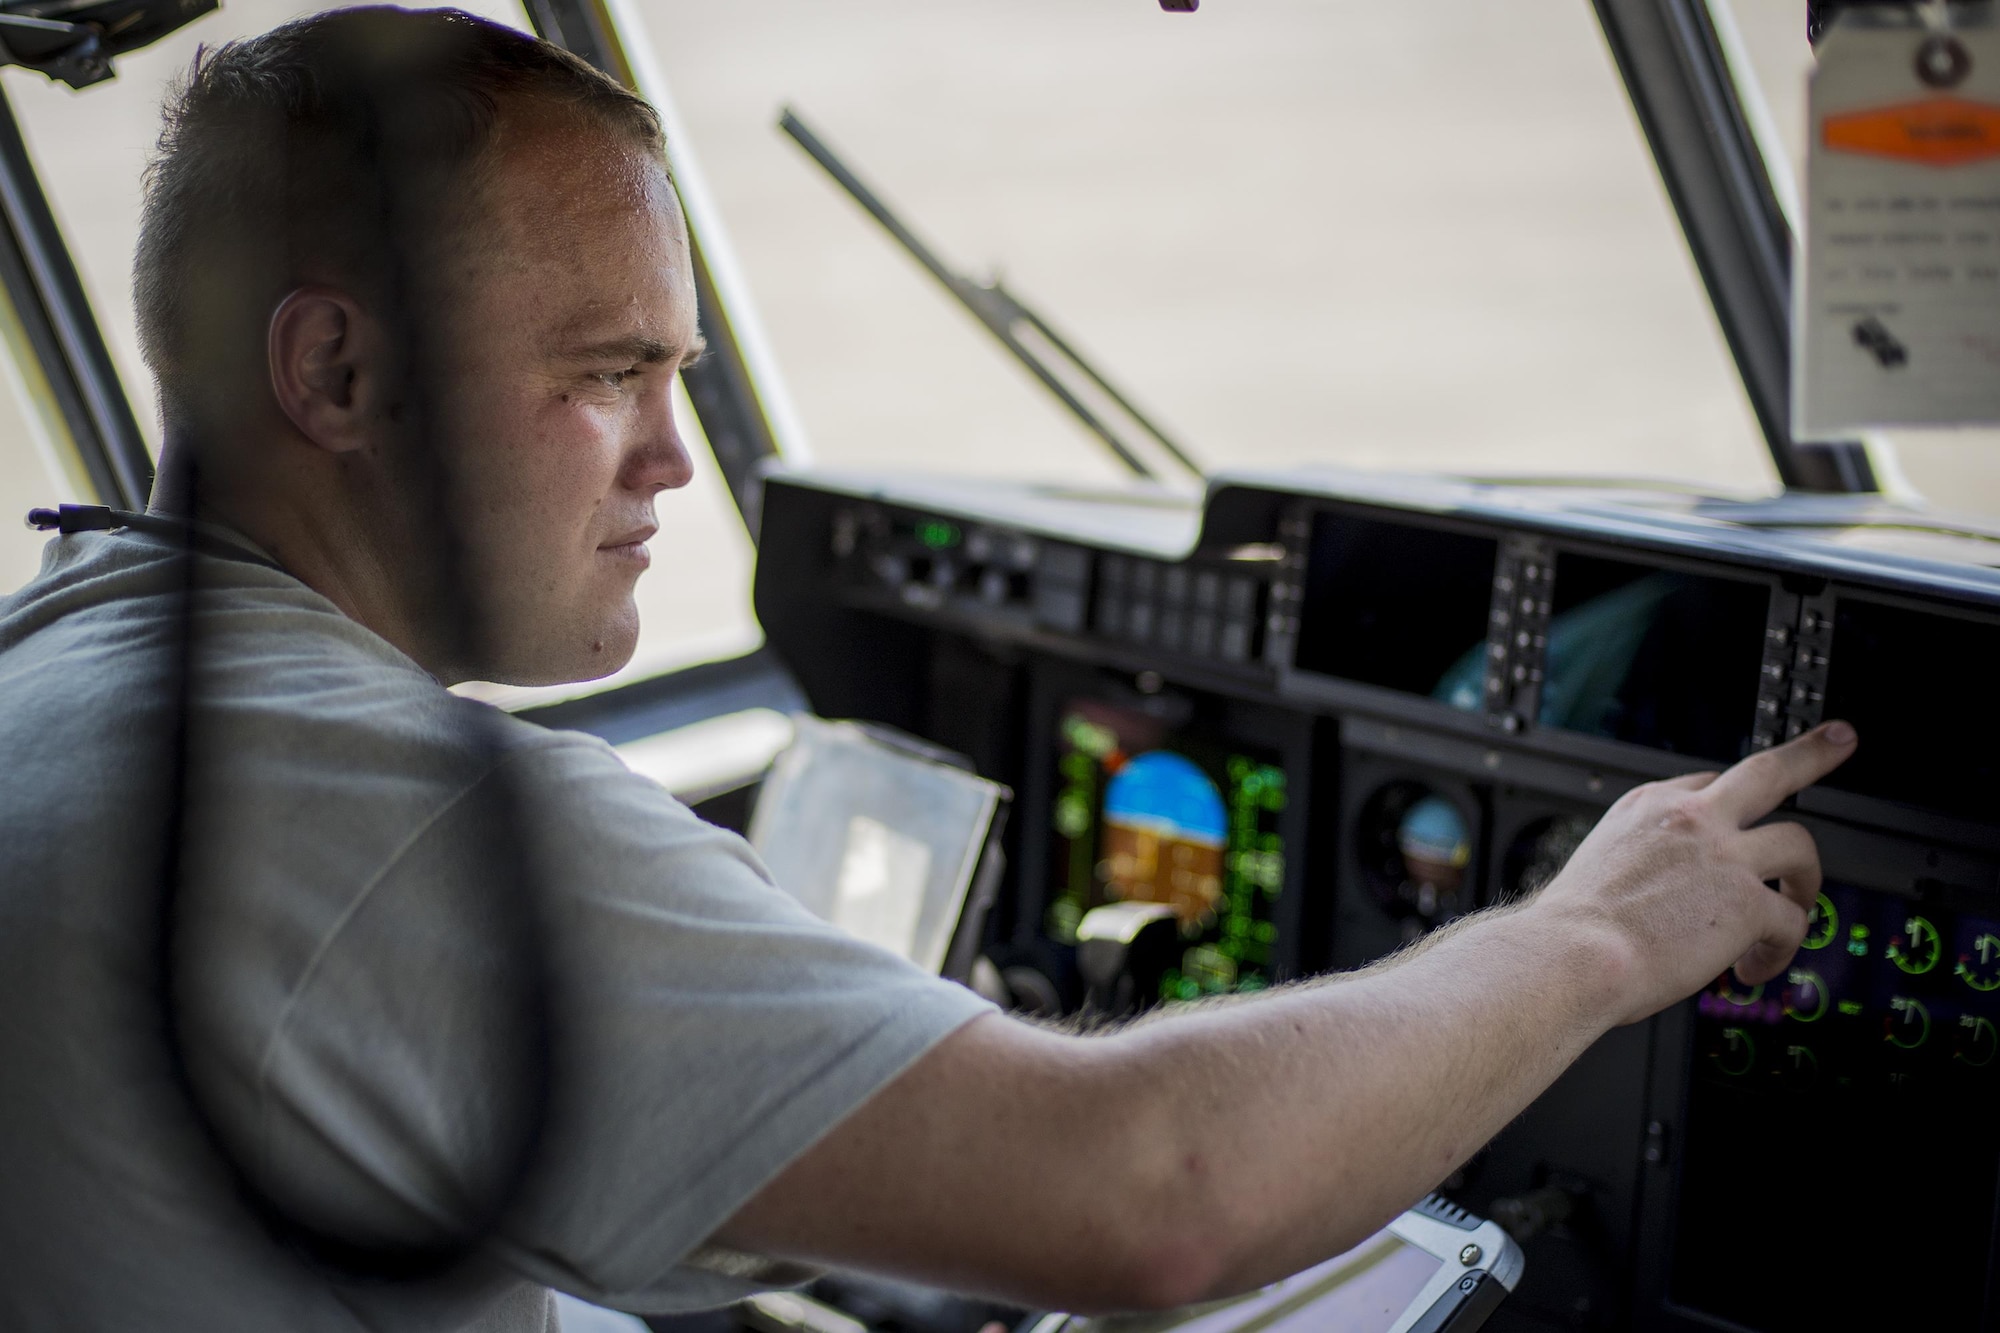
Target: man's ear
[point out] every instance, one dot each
(329, 368)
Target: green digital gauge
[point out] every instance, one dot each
(1980, 969)
(1805, 995)
(1908, 1025)
(1977, 1042)
(1822, 925)
(1916, 950)
(1737, 1054)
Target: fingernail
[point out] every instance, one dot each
(1839, 733)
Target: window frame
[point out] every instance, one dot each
(1678, 76)
(100, 432)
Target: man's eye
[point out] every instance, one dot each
(614, 378)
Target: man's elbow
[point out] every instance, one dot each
(1176, 1243)
(1176, 1272)
(1155, 1275)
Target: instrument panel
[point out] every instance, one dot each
(1319, 720)
(1859, 1090)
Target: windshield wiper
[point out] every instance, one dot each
(1008, 319)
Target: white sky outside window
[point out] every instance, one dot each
(90, 148)
(1415, 236)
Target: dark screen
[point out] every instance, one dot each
(1657, 658)
(1892, 673)
(1843, 1114)
(1393, 605)
(1147, 813)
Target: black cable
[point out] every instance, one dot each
(514, 879)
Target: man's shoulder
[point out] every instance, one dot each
(586, 802)
(137, 606)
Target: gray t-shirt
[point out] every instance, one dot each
(434, 970)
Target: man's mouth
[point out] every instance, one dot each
(631, 546)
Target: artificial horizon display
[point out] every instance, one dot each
(1145, 814)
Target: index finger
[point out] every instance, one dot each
(1756, 786)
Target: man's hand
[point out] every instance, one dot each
(1678, 873)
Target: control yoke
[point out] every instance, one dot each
(1122, 950)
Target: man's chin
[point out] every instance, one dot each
(600, 661)
(571, 661)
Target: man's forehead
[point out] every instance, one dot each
(586, 232)
(569, 190)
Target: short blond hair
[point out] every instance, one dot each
(335, 145)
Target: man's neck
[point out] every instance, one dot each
(316, 523)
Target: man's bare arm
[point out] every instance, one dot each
(1228, 1146)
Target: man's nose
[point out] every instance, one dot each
(660, 458)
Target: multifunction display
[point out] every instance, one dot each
(1145, 814)
(1914, 684)
(1862, 1085)
(1398, 606)
(1655, 657)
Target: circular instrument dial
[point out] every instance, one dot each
(1801, 1066)
(1737, 1053)
(1736, 993)
(1805, 995)
(1980, 967)
(1822, 925)
(1908, 1025)
(1976, 1042)
(1916, 948)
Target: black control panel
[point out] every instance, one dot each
(1861, 1086)
(1307, 723)
(1206, 609)
(1209, 607)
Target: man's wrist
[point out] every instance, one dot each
(1592, 961)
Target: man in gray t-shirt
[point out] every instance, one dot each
(336, 1001)
(347, 980)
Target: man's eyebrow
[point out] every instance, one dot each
(638, 349)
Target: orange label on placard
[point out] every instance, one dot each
(1940, 132)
